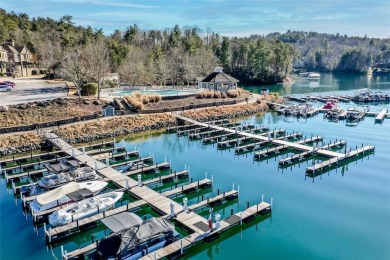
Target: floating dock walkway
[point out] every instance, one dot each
(160, 202)
(280, 145)
(325, 165)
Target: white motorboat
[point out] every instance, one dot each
(314, 76)
(59, 196)
(334, 113)
(57, 179)
(353, 114)
(85, 208)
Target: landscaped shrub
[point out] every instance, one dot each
(108, 83)
(138, 100)
(232, 93)
(34, 72)
(154, 97)
(224, 95)
(89, 89)
(42, 71)
(145, 99)
(240, 91)
(217, 94)
(199, 95)
(209, 94)
(1, 74)
(137, 104)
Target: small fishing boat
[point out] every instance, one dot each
(85, 208)
(62, 194)
(133, 238)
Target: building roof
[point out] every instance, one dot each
(219, 77)
(2, 49)
(9, 48)
(108, 106)
(22, 49)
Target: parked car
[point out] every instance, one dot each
(10, 83)
(5, 87)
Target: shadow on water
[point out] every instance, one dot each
(212, 247)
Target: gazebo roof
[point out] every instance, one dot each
(219, 77)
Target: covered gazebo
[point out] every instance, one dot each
(218, 80)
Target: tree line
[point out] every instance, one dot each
(334, 52)
(179, 55)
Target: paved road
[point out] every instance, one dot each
(30, 89)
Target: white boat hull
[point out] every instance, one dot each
(94, 186)
(85, 208)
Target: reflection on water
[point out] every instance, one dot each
(329, 82)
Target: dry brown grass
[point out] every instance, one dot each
(138, 100)
(232, 93)
(272, 97)
(211, 94)
(122, 124)
(36, 114)
(16, 140)
(212, 112)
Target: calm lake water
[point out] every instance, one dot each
(342, 214)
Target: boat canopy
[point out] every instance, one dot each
(150, 229)
(63, 166)
(80, 194)
(57, 193)
(122, 221)
(127, 239)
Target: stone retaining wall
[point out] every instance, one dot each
(155, 126)
(95, 137)
(152, 111)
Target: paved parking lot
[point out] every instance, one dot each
(32, 89)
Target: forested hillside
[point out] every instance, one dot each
(179, 55)
(334, 52)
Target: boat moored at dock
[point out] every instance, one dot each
(85, 208)
(59, 196)
(134, 239)
(330, 104)
(60, 177)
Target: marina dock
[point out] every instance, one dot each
(177, 248)
(381, 116)
(160, 202)
(282, 145)
(322, 166)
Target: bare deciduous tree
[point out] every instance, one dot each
(49, 53)
(97, 61)
(73, 68)
(133, 67)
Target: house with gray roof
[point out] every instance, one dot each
(218, 81)
(15, 58)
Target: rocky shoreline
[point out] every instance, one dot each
(120, 126)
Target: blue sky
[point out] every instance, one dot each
(226, 17)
